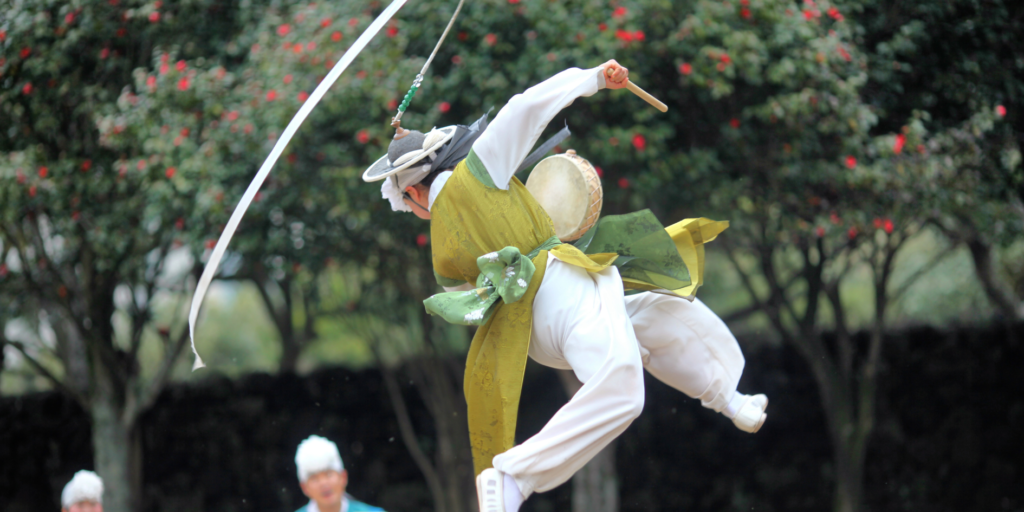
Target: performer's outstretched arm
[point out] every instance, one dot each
(509, 138)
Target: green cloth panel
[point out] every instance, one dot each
(477, 169)
(646, 251)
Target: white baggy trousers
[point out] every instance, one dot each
(583, 322)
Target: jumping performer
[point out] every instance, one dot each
(503, 269)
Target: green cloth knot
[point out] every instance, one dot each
(504, 275)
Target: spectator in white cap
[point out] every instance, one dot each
(84, 493)
(323, 478)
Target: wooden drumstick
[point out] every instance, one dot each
(644, 95)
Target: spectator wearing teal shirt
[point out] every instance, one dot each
(323, 478)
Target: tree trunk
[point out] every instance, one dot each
(849, 460)
(595, 487)
(290, 351)
(981, 255)
(116, 456)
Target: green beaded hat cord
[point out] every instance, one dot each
(397, 121)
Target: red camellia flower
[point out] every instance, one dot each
(725, 58)
(852, 233)
(179, 224)
(170, 172)
(513, 2)
(421, 240)
(336, 36)
(602, 26)
(363, 137)
(154, 16)
(808, 15)
(271, 95)
(211, 243)
(491, 39)
(3, 270)
(623, 35)
(835, 14)
(444, 107)
(639, 35)
(288, 79)
(183, 84)
(303, 96)
(32, 191)
(181, 66)
(392, 31)
(887, 225)
(3, 35)
(164, 68)
(353, 22)
(86, 165)
(456, 60)
(25, 52)
(326, 22)
(851, 162)
(745, 13)
(834, 219)
(43, 172)
(392, 104)
(233, 115)
(619, 12)
(897, 146)
(20, 176)
(820, 231)
(283, 29)
(623, 183)
(26, 89)
(844, 54)
(599, 171)
(184, 132)
(104, 53)
(1000, 111)
(639, 142)
(361, 74)
(735, 123)
(685, 68)
(877, 223)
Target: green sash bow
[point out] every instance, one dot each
(504, 275)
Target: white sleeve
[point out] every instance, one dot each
(509, 138)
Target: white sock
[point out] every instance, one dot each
(513, 497)
(734, 405)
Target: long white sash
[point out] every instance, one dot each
(268, 164)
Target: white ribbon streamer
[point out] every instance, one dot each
(268, 164)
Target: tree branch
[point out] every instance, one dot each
(78, 397)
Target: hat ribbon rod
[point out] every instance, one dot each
(397, 121)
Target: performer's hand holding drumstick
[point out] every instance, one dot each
(617, 77)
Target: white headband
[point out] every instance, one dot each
(316, 454)
(84, 486)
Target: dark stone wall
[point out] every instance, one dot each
(949, 437)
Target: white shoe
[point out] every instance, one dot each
(751, 415)
(489, 492)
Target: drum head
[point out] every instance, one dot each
(560, 188)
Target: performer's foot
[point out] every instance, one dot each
(748, 412)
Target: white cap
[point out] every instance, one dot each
(84, 486)
(317, 454)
